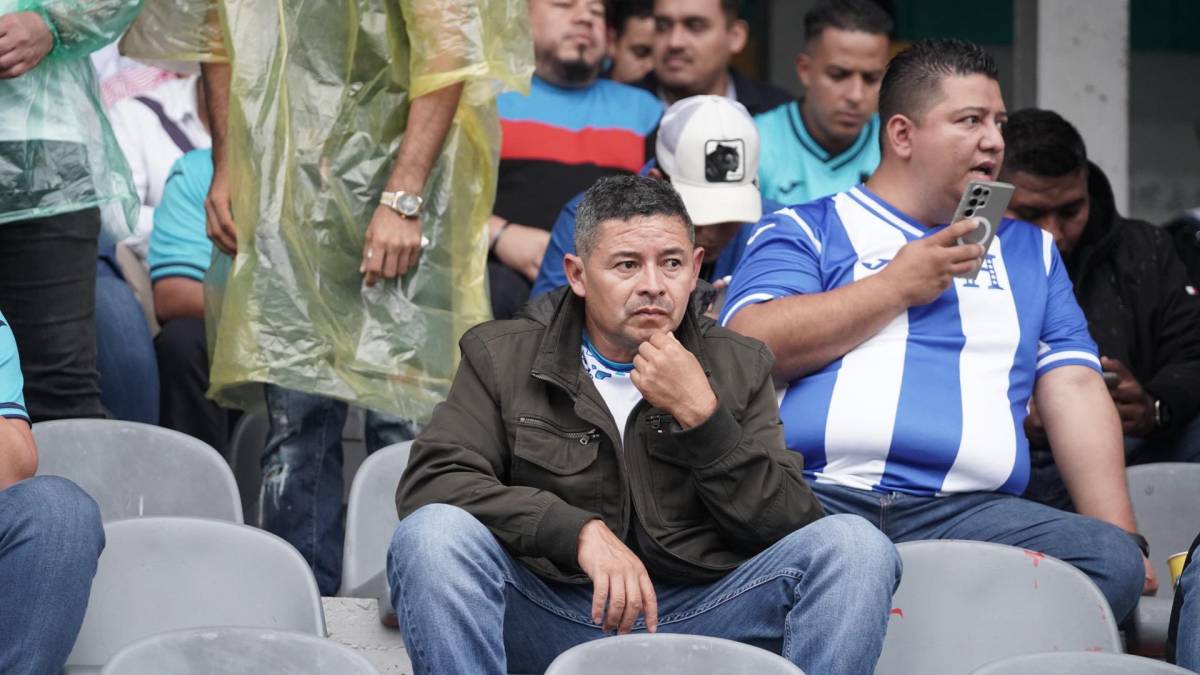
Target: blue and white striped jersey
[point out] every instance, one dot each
(935, 402)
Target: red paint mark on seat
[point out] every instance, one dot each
(1035, 584)
(1037, 557)
(1094, 649)
(896, 611)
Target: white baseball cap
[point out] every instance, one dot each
(708, 146)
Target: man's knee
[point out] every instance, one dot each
(437, 537)
(853, 544)
(58, 510)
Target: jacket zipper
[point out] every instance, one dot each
(584, 437)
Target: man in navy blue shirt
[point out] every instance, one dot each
(707, 147)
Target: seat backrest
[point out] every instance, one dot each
(134, 470)
(962, 604)
(371, 519)
(161, 574)
(1073, 663)
(669, 654)
(247, 441)
(202, 651)
(1166, 503)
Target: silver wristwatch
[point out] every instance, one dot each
(406, 204)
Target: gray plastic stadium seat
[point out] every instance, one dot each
(236, 650)
(162, 574)
(246, 444)
(134, 470)
(669, 654)
(1166, 503)
(1073, 663)
(962, 604)
(370, 521)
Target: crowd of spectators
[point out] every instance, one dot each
(739, 349)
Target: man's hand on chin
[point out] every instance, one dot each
(671, 379)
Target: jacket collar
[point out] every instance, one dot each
(562, 313)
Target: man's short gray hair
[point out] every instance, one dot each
(624, 198)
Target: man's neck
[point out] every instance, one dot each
(894, 185)
(719, 87)
(606, 347)
(555, 74)
(833, 146)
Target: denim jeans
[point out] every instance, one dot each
(124, 348)
(820, 597)
(302, 486)
(50, 539)
(1046, 485)
(48, 296)
(1100, 550)
(1187, 647)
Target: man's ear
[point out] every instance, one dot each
(804, 69)
(697, 262)
(739, 32)
(573, 266)
(900, 130)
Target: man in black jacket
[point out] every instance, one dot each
(694, 41)
(1129, 281)
(611, 460)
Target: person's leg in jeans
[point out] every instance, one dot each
(820, 596)
(48, 296)
(301, 497)
(382, 430)
(182, 352)
(124, 348)
(1100, 550)
(1187, 645)
(1181, 446)
(50, 539)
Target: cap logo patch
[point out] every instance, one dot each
(724, 160)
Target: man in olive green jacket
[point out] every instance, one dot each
(612, 461)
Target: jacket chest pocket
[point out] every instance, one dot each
(559, 459)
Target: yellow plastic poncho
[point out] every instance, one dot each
(319, 99)
(57, 150)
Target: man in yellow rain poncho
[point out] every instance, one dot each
(321, 112)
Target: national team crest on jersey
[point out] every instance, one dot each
(724, 161)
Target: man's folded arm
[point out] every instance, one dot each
(749, 481)
(461, 459)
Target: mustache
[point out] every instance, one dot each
(664, 303)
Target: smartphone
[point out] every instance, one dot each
(1111, 379)
(984, 200)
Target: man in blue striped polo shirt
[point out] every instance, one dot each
(908, 387)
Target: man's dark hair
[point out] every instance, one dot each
(849, 15)
(624, 198)
(912, 83)
(1042, 143)
(621, 11)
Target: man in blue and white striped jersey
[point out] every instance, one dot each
(907, 387)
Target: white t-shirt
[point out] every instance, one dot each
(613, 383)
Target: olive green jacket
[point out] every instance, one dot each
(526, 444)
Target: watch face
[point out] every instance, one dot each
(408, 204)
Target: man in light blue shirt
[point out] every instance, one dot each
(828, 140)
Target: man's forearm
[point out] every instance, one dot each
(807, 332)
(429, 119)
(1085, 436)
(216, 100)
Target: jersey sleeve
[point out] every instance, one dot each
(1065, 340)
(179, 246)
(12, 383)
(782, 258)
(551, 274)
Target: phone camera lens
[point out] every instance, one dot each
(969, 212)
(973, 202)
(986, 192)
(976, 191)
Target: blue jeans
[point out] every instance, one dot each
(124, 349)
(1187, 646)
(301, 498)
(1100, 550)
(820, 597)
(50, 539)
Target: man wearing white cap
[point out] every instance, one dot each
(707, 147)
